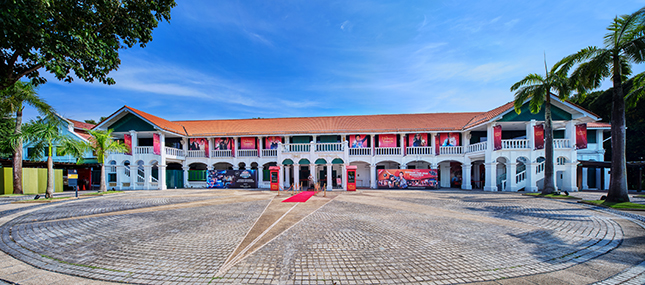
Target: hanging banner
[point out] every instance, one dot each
(497, 137)
(418, 139)
(581, 136)
(358, 141)
(538, 136)
(437, 144)
(386, 140)
(272, 142)
(407, 179)
(232, 178)
(223, 144)
(446, 139)
(127, 140)
(156, 147)
(199, 144)
(247, 143)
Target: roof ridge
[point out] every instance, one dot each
(338, 116)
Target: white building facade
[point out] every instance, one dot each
(320, 147)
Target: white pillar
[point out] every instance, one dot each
(312, 171)
(433, 143)
(465, 176)
(185, 169)
(259, 146)
(569, 179)
(147, 175)
(120, 174)
(283, 174)
(531, 181)
(491, 176)
(162, 177)
(287, 176)
(445, 175)
(296, 174)
(372, 146)
(530, 133)
(511, 171)
(598, 181)
(402, 144)
(134, 172)
(329, 178)
(344, 176)
(585, 178)
(373, 176)
(570, 133)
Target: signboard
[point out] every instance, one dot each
(272, 142)
(232, 178)
(538, 136)
(358, 141)
(497, 137)
(418, 139)
(156, 147)
(72, 177)
(581, 136)
(127, 140)
(407, 179)
(199, 144)
(247, 143)
(223, 143)
(446, 139)
(387, 140)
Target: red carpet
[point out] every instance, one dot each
(302, 197)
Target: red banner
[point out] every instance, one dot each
(497, 137)
(199, 144)
(418, 139)
(358, 141)
(127, 140)
(446, 139)
(156, 147)
(581, 136)
(386, 140)
(247, 143)
(272, 142)
(538, 136)
(223, 143)
(407, 178)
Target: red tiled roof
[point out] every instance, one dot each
(487, 116)
(159, 122)
(81, 125)
(598, 125)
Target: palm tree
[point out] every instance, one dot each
(624, 45)
(539, 89)
(43, 134)
(101, 144)
(13, 101)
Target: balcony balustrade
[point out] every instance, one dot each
(329, 147)
(419, 150)
(269, 152)
(366, 151)
(388, 151)
(451, 150)
(476, 147)
(247, 153)
(515, 144)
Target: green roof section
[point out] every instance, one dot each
(304, 161)
(287, 162)
(321, 161)
(131, 122)
(526, 115)
(337, 161)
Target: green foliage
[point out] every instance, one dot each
(43, 134)
(81, 36)
(615, 205)
(7, 140)
(90, 121)
(101, 144)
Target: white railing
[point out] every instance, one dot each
(154, 179)
(269, 152)
(127, 170)
(296, 147)
(480, 146)
(174, 151)
(561, 143)
(115, 152)
(221, 153)
(515, 144)
(388, 151)
(140, 178)
(247, 153)
(197, 153)
(143, 150)
(360, 151)
(520, 177)
(419, 150)
(329, 147)
(451, 150)
(540, 168)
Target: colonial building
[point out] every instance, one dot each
(497, 150)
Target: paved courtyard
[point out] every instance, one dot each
(364, 237)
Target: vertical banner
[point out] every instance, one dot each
(223, 143)
(581, 136)
(272, 142)
(127, 140)
(538, 136)
(497, 137)
(448, 139)
(358, 141)
(437, 143)
(418, 139)
(156, 147)
(247, 143)
(387, 140)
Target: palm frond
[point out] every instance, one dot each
(637, 91)
(531, 79)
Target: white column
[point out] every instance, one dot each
(162, 177)
(329, 178)
(569, 181)
(312, 170)
(491, 176)
(134, 173)
(296, 174)
(570, 133)
(530, 133)
(531, 181)
(147, 174)
(237, 148)
(598, 181)
(403, 165)
(260, 175)
(466, 141)
(287, 176)
(402, 144)
(433, 143)
(511, 183)
(465, 176)
(259, 146)
(606, 174)
(283, 174)
(445, 175)
(120, 174)
(186, 183)
(372, 144)
(585, 178)
(373, 176)
(344, 176)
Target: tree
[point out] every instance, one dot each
(66, 35)
(624, 45)
(43, 134)
(101, 144)
(538, 89)
(13, 101)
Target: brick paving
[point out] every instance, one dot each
(367, 237)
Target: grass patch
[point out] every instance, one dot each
(639, 196)
(100, 193)
(614, 205)
(554, 196)
(14, 195)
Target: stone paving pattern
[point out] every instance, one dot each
(367, 237)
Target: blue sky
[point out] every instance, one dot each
(245, 59)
